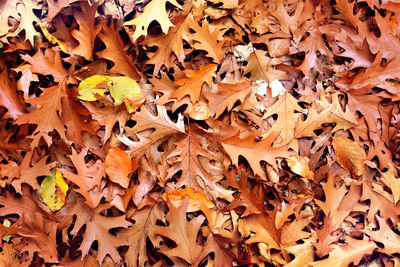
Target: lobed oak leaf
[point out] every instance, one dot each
(193, 84)
(386, 208)
(193, 161)
(324, 112)
(29, 169)
(86, 34)
(118, 166)
(257, 228)
(115, 52)
(155, 10)
(87, 177)
(183, 233)
(207, 41)
(386, 236)
(7, 9)
(107, 114)
(227, 96)
(350, 154)
(287, 108)
(47, 63)
(143, 228)
(39, 236)
(344, 254)
(97, 229)
(390, 180)
(261, 67)
(171, 43)
(159, 126)
(47, 116)
(56, 6)
(255, 152)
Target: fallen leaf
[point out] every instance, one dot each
(350, 155)
(118, 166)
(299, 165)
(196, 199)
(53, 190)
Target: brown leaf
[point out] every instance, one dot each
(255, 152)
(183, 233)
(350, 154)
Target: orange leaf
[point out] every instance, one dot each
(350, 154)
(118, 166)
(199, 112)
(299, 165)
(176, 197)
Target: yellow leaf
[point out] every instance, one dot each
(299, 165)
(89, 86)
(121, 87)
(349, 154)
(176, 197)
(199, 112)
(155, 10)
(54, 40)
(54, 190)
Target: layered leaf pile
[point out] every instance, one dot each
(199, 133)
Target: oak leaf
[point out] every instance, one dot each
(183, 233)
(344, 254)
(155, 10)
(193, 84)
(323, 112)
(386, 236)
(97, 229)
(193, 162)
(87, 177)
(350, 154)
(143, 228)
(391, 181)
(171, 43)
(261, 67)
(115, 52)
(9, 97)
(227, 96)
(288, 110)
(255, 152)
